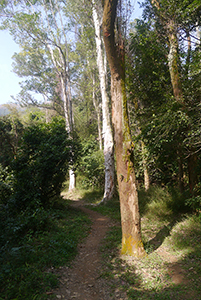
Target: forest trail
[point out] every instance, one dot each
(82, 280)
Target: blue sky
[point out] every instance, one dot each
(9, 82)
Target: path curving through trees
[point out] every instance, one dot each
(82, 281)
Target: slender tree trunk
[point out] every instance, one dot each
(72, 177)
(173, 61)
(181, 171)
(192, 174)
(188, 58)
(107, 130)
(130, 217)
(98, 112)
(62, 67)
(178, 93)
(198, 33)
(72, 180)
(145, 168)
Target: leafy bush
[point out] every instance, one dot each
(156, 202)
(194, 202)
(41, 164)
(92, 164)
(11, 130)
(27, 261)
(35, 182)
(6, 184)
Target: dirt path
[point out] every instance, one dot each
(82, 281)
(177, 274)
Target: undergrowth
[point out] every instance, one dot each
(172, 240)
(26, 261)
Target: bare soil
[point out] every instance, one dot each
(82, 281)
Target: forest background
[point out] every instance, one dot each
(65, 123)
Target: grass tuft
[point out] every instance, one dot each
(172, 240)
(26, 264)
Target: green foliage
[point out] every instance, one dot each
(149, 80)
(28, 258)
(162, 202)
(155, 202)
(169, 130)
(11, 130)
(91, 165)
(111, 208)
(41, 164)
(166, 236)
(194, 202)
(6, 184)
(165, 134)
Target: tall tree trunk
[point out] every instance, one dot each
(107, 130)
(98, 112)
(173, 61)
(145, 168)
(62, 67)
(180, 167)
(198, 33)
(178, 93)
(188, 58)
(192, 174)
(130, 217)
(72, 180)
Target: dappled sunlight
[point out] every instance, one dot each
(155, 203)
(159, 238)
(187, 234)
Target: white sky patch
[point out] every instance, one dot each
(8, 80)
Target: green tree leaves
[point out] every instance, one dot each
(41, 164)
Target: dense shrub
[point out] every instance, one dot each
(194, 202)
(6, 184)
(41, 164)
(91, 166)
(30, 194)
(11, 130)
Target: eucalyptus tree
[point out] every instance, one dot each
(40, 85)
(87, 88)
(149, 87)
(130, 217)
(88, 21)
(44, 22)
(107, 130)
(178, 20)
(176, 17)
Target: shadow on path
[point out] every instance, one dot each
(159, 238)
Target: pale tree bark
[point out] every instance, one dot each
(130, 216)
(181, 170)
(98, 112)
(198, 33)
(173, 61)
(106, 127)
(72, 180)
(61, 63)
